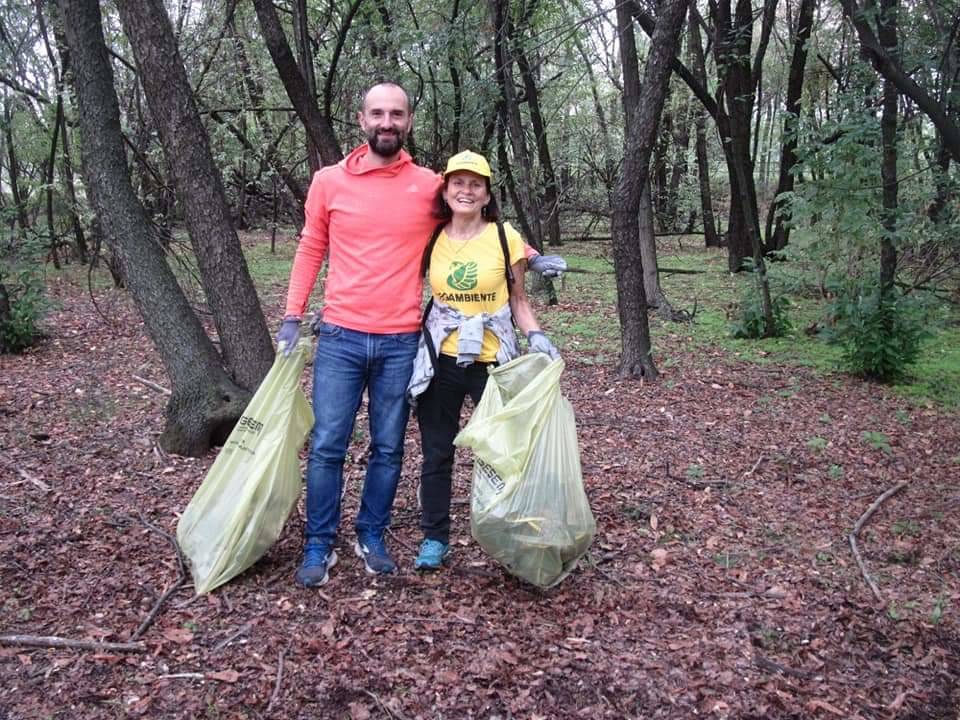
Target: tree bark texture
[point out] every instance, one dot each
(735, 97)
(887, 33)
(778, 233)
(316, 124)
(699, 73)
(642, 109)
(204, 403)
(244, 339)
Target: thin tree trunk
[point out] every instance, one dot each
(780, 235)
(301, 38)
(642, 111)
(887, 34)
(695, 50)
(316, 125)
(13, 171)
(551, 199)
(204, 403)
(245, 342)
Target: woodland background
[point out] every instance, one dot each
(761, 345)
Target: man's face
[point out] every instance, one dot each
(386, 119)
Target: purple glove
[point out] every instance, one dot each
(548, 265)
(288, 337)
(539, 342)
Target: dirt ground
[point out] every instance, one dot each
(720, 582)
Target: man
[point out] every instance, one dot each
(370, 215)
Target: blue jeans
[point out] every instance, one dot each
(346, 363)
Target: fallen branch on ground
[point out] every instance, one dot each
(51, 641)
(856, 531)
(151, 385)
(276, 686)
(148, 621)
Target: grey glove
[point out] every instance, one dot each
(540, 343)
(289, 334)
(550, 266)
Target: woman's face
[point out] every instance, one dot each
(466, 193)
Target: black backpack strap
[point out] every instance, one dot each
(428, 251)
(506, 256)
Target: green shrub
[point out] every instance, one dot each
(880, 336)
(751, 323)
(21, 309)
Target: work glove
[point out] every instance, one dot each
(550, 266)
(539, 342)
(290, 335)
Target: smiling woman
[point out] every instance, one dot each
(476, 268)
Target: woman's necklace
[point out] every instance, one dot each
(463, 234)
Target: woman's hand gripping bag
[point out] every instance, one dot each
(528, 507)
(242, 505)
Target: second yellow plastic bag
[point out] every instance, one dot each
(242, 505)
(528, 507)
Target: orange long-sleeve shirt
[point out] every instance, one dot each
(374, 224)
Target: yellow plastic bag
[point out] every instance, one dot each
(242, 505)
(528, 507)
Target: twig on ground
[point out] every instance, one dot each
(596, 566)
(435, 620)
(859, 526)
(752, 470)
(181, 576)
(183, 675)
(51, 641)
(27, 477)
(242, 630)
(389, 713)
(401, 543)
(152, 385)
(276, 685)
(769, 665)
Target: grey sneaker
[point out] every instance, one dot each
(318, 558)
(375, 556)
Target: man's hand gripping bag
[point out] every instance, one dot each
(528, 507)
(242, 505)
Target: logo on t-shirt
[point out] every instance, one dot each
(463, 276)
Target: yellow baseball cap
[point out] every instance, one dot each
(469, 161)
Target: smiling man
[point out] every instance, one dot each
(371, 216)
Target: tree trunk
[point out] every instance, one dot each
(642, 114)
(551, 200)
(681, 146)
(301, 40)
(699, 73)
(316, 125)
(734, 116)
(245, 341)
(777, 238)
(887, 34)
(19, 205)
(205, 403)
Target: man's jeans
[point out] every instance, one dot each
(346, 363)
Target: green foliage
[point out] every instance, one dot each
(20, 328)
(880, 334)
(751, 323)
(877, 440)
(817, 443)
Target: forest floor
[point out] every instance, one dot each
(720, 584)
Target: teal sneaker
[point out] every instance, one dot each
(432, 554)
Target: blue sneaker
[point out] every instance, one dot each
(317, 561)
(375, 556)
(432, 554)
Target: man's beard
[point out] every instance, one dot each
(385, 145)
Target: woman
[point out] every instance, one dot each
(477, 294)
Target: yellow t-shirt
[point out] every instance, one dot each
(470, 276)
